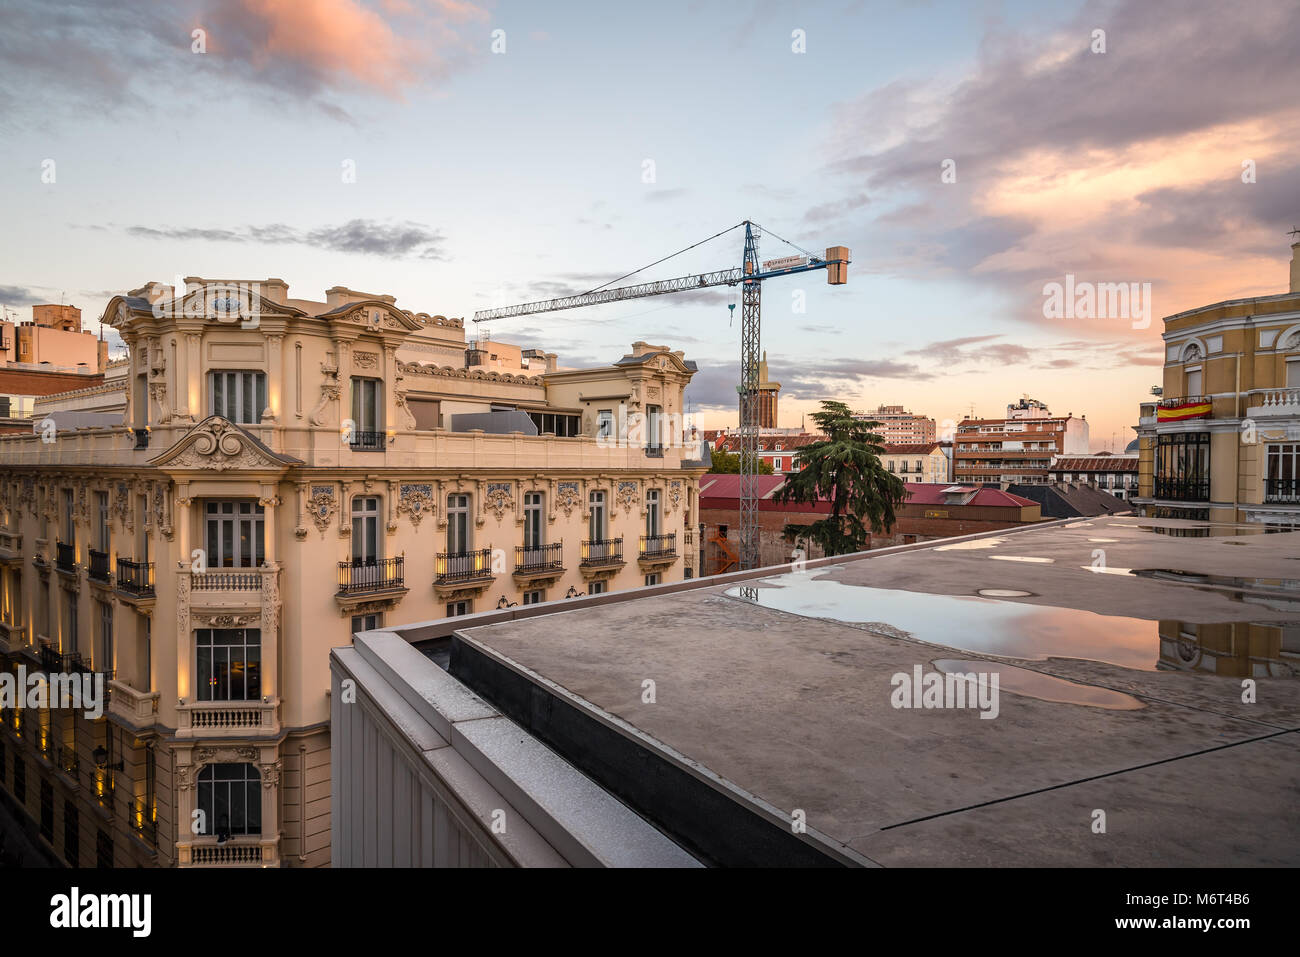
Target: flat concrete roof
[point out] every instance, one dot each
(779, 695)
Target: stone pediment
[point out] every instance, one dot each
(217, 444)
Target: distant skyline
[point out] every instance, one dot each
(969, 155)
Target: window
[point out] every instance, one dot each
(230, 664)
(47, 811)
(104, 647)
(366, 622)
(1193, 381)
(596, 521)
(902, 467)
(1183, 466)
(605, 424)
(230, 797)
(73, 636)
(535, 597)
(235, 535)
(365, 530)
(1282, 475)
(455, 609)
(776, 465)
(101, 521)
(918, 467)
(596, 588)
(457, 524)
(237, 396)
(890, 463)
(652, 580)
(20, 781)
(367, 413)
(71, 834)
(533, 526)
(69, 519)
(652, 512)
(654, 430)
(559, 424)
(103, 849)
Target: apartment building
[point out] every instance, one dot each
(917, 462)
(1223, 441)
(900, 427)
(286, 473)
(1115, 474)
(776, 447)
(1017, 449)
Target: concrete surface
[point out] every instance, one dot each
(797, 710)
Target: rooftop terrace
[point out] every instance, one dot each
(1120, 648)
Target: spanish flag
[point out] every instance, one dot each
(1183, 410)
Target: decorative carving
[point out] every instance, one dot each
(400, 398)
(271, 603)
(567, 497)
(219, 445)
(224, 755)
(329, 390)
(416, 500)
(270, 774)
(322, 505)
(629, 495)
(499, 497)
(122, 506)
(270, 502)
(224, 621)
(365, 360)
(674, 494)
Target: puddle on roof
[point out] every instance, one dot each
(1020, 630)
(1204, 530)
(1199, 578)
(976, 543)
(1032, 684)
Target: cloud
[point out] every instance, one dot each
(17, 296)
(366, 237)
(1123, 166)
(91, 56)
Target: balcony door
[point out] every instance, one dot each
(365, 531)
(652, 512)
(533, 525)
(367, 408)
(596, 527)
(235, 534)
(229, 664)
(458, 527)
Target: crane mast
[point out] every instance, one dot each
(749, 276)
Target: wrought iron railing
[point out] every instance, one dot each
(99, 566)
(466, 566)
(659, 546)
(1183, 490)
(65, 556)
(366, 441)
(135, 578)
(539, 558)
(141, 438)
(602, 551)
(1281, 490)
(369, 574)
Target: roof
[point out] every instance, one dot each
(723, 491)
(1096, 463)
(911, 448)
(723, 486)
(932, 493)
(1071, 500)
(774, 693)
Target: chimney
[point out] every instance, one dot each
(1295, 266)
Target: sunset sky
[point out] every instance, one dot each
(486, 178)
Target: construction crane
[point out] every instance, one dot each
(749, 275)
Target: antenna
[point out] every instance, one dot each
(1295, 232)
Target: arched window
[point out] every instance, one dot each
(230, 797)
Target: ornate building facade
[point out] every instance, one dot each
(287, 473)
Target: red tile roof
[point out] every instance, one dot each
(915, 448)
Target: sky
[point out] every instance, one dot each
(461, 155)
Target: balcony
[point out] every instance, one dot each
(602, 553)
(12, 637)
(65, 559)
(367, 441)
(66, 760)
(369, 575)
(244, 851)
(137, 709)
(144, 821)
(468, 571)
(1282, 491)
(658, 549)
(539, 563)
(228, 719)
(1273, 403)
(226, 581)
(141, 438)
(99, 566)
(135, 579)
(11, 546)
(1183, 490)
(378, 584)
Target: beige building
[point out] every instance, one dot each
(286, 473)
(1223, 441)
(1018, 449)
(918, 462)
(901, 427)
